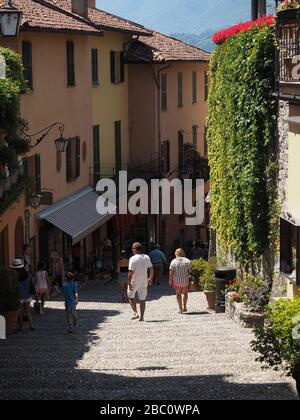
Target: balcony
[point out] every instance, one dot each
(288, 51)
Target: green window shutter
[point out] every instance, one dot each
(69, 161)
(180, 90)
(164, 92)
(95, 66)
(118, 146)
(77, 157)
(25, 166)
(70, 64)
(194, 87)
(122, 64)
(180, 151)
(96, 153)
(112, 67)
(27, 62)
(38, 173)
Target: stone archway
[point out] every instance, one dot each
(19, 237)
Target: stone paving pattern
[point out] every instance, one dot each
(198, 356)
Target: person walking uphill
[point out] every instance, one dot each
(25, 283)
(70, 292)
(158, 260)
(179, 278)
(140, 276)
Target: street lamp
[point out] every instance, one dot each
(10, 19)
(60, 143)
(34, 200)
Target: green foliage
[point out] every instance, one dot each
(14, 193)
(11, 144)
(241, 139)
(204, 273)
(255, 292)
(274, 340)
(198, 269)
(9, 290)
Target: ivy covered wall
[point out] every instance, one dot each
(11, 144)
(242, 145)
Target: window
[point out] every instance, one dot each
(84, 151)
(180, 151)
(180, 90)
(117, 69)
(165, 157)
(70, 64)
(290, 249)
(195, 137)
(194, 87)
(27, 62)
(32, 170)
(164, 92)
(118, 146)
(58, 162)
(95, 67)
(4, 247)
(96, 153)
(206, 85)
(73, 159)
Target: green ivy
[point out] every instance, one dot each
(242, 146)
(10, 89)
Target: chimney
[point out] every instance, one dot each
(92, 4)
(254, 9)
(80, 7)
(262, 8)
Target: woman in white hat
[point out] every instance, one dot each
(24, 280)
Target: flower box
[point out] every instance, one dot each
(288, 14)
(239, 313)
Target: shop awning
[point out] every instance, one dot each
(76, 215)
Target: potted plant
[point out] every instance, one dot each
(198, 268)
(288, 9)
(277, 340)
(9, 298)
(209, 282)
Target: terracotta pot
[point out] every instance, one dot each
(11, 318)
(211, 299)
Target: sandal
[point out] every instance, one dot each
(135, 317)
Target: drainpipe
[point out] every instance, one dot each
(158, 85)
(262, 8)
(254, 9)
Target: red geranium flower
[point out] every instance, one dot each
(225, 34)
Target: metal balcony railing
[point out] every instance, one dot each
(288, 46)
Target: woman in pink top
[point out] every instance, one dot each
(41, 285)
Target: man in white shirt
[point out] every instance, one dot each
(140, 276)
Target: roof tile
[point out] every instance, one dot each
(161, 48)
(39, 15)
(106, 20)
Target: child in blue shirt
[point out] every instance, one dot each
(70, 292)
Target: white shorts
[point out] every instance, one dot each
(141, 291)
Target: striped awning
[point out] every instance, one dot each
(76, 215)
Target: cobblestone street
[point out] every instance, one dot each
(170, 356)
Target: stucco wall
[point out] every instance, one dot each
(143, 113)
(110, 101)
(9, 219)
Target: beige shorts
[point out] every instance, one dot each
(141, 291)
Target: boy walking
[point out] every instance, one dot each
(70, 292)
